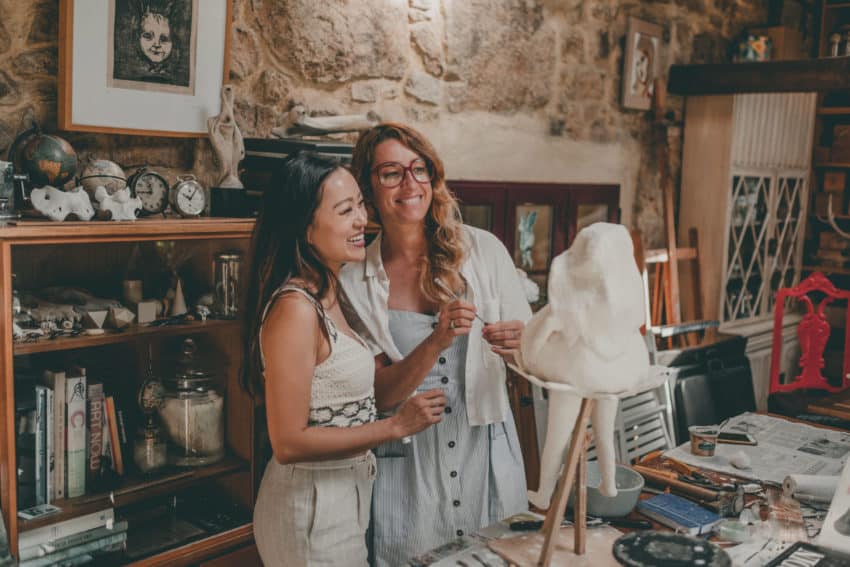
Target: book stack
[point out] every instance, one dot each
(72, 542)
(67, 429)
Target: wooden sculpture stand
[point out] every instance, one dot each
(574, 473)
(543, 548)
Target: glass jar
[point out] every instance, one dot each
(226, 267)
(150, 450)
(192, 413)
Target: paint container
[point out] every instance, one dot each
(703, 440)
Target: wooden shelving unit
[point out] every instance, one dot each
(81, 248)
(136, 488)
(131, 333)
(833, 111)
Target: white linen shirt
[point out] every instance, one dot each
(494, 289)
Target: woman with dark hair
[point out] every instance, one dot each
(425, 278)
(314, 372)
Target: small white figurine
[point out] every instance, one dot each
(118, 206)
(526, 238)
(57, 205)
(226, 141)
(587, 336)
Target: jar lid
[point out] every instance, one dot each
(229, 255)
(189, 374)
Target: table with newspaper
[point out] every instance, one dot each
(784, 448)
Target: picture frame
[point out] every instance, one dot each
(641, 63)
(533, 239)
(153, 74)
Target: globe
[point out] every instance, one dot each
(47, 159)
(102, 172)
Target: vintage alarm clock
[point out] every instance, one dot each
(151, 188)
(188, 197)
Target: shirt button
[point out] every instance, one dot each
(451, 444)
(444, 379)
(453, 474)
(442, 360)
(456, 503)
(448, 410)
(459, 533)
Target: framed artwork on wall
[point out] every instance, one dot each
(533, 246)
(640, 65)
(148, 68)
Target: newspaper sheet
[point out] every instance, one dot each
(784, 448)
(835, 532)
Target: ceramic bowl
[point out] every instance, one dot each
(629, 486)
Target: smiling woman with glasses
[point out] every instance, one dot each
(391, 174)
(423, 293)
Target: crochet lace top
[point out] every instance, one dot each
(343, 387)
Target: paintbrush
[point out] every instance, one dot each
(454, 296)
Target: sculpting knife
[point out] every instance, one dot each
(454, 296)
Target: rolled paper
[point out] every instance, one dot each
(810, 487)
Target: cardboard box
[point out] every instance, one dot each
(840, 143)
(829, 240)
(821, 203)
(822, 154)
(834, 181)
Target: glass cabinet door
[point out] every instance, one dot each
(787, 235)
(764, 241)
(747, 269)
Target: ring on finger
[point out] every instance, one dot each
(452, 324)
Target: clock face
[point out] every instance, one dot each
(190, 198)
(152, 190)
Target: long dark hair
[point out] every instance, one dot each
(281, 251)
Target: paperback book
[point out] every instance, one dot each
(679, 513)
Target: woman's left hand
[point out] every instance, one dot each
(504, 337)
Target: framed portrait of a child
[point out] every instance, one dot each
(641, 63)
(152, 45)
(149, 67)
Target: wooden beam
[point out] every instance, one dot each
(657, 255)
(802, 75)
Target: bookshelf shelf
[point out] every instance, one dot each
(135, 488)
(833, 164)
(132, 333)
(828, 270)
(95, 255)
(833, 110)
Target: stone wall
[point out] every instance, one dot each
(506, 89)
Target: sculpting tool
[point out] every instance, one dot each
(455, 296)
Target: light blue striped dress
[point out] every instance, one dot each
(452, 479)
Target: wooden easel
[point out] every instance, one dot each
(665, 289)
(574, 473)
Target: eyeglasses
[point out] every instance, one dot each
(391, 174)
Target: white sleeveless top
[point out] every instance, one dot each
(343, 388)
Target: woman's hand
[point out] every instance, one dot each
(455, 320)
(418, 412)
(504, 337)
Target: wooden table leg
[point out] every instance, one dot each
(552, 523)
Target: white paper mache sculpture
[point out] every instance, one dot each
(117, 206)
(57, 205)
(588, 338)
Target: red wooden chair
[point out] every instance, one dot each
(813, 333)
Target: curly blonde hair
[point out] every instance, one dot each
(443, 225)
